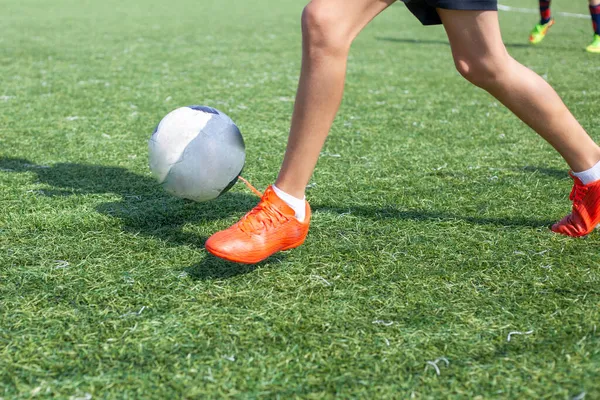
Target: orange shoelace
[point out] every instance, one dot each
(249, 185)
(261, 217)
(578, 192)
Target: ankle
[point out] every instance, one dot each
(585, 163)
(589, 175)
(294, 190)
(298, 204)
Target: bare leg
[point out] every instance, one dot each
(328, 29)
(480, 56)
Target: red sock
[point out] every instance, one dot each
(545, 11)
(595, 13)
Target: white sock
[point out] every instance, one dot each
(296, 204)
(590, 175)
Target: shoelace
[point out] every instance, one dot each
(263, 216)
(578, 192)
(256, 192)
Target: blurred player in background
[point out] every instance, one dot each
(546, 21)
(281, 219)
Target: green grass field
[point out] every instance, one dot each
(429, 237)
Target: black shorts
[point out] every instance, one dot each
(425, 11)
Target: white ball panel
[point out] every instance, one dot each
(207, 165)
(196, 153)
(176, 130)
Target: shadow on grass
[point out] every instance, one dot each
(420, 215)
(146, 209)
(552, 172)
(143, 208)
(438, 42)
(212, 268)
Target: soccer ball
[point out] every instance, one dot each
(196, 153)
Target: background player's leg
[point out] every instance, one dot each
(594, 47)
(328, 29)
(480, 56)
(545, 13)
(595, 14)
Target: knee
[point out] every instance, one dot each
(323, 30)
(484, 72)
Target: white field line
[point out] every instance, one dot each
(502, 7)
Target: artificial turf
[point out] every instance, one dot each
(429, 236)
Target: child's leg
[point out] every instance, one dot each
(328, 29)
(480, 56)
(281, 219)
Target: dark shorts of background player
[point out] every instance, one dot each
(425, 11)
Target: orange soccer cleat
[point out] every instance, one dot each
(585, 216)
(269, 227)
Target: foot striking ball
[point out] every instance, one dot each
(196, 153)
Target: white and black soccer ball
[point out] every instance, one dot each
(196, 153)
